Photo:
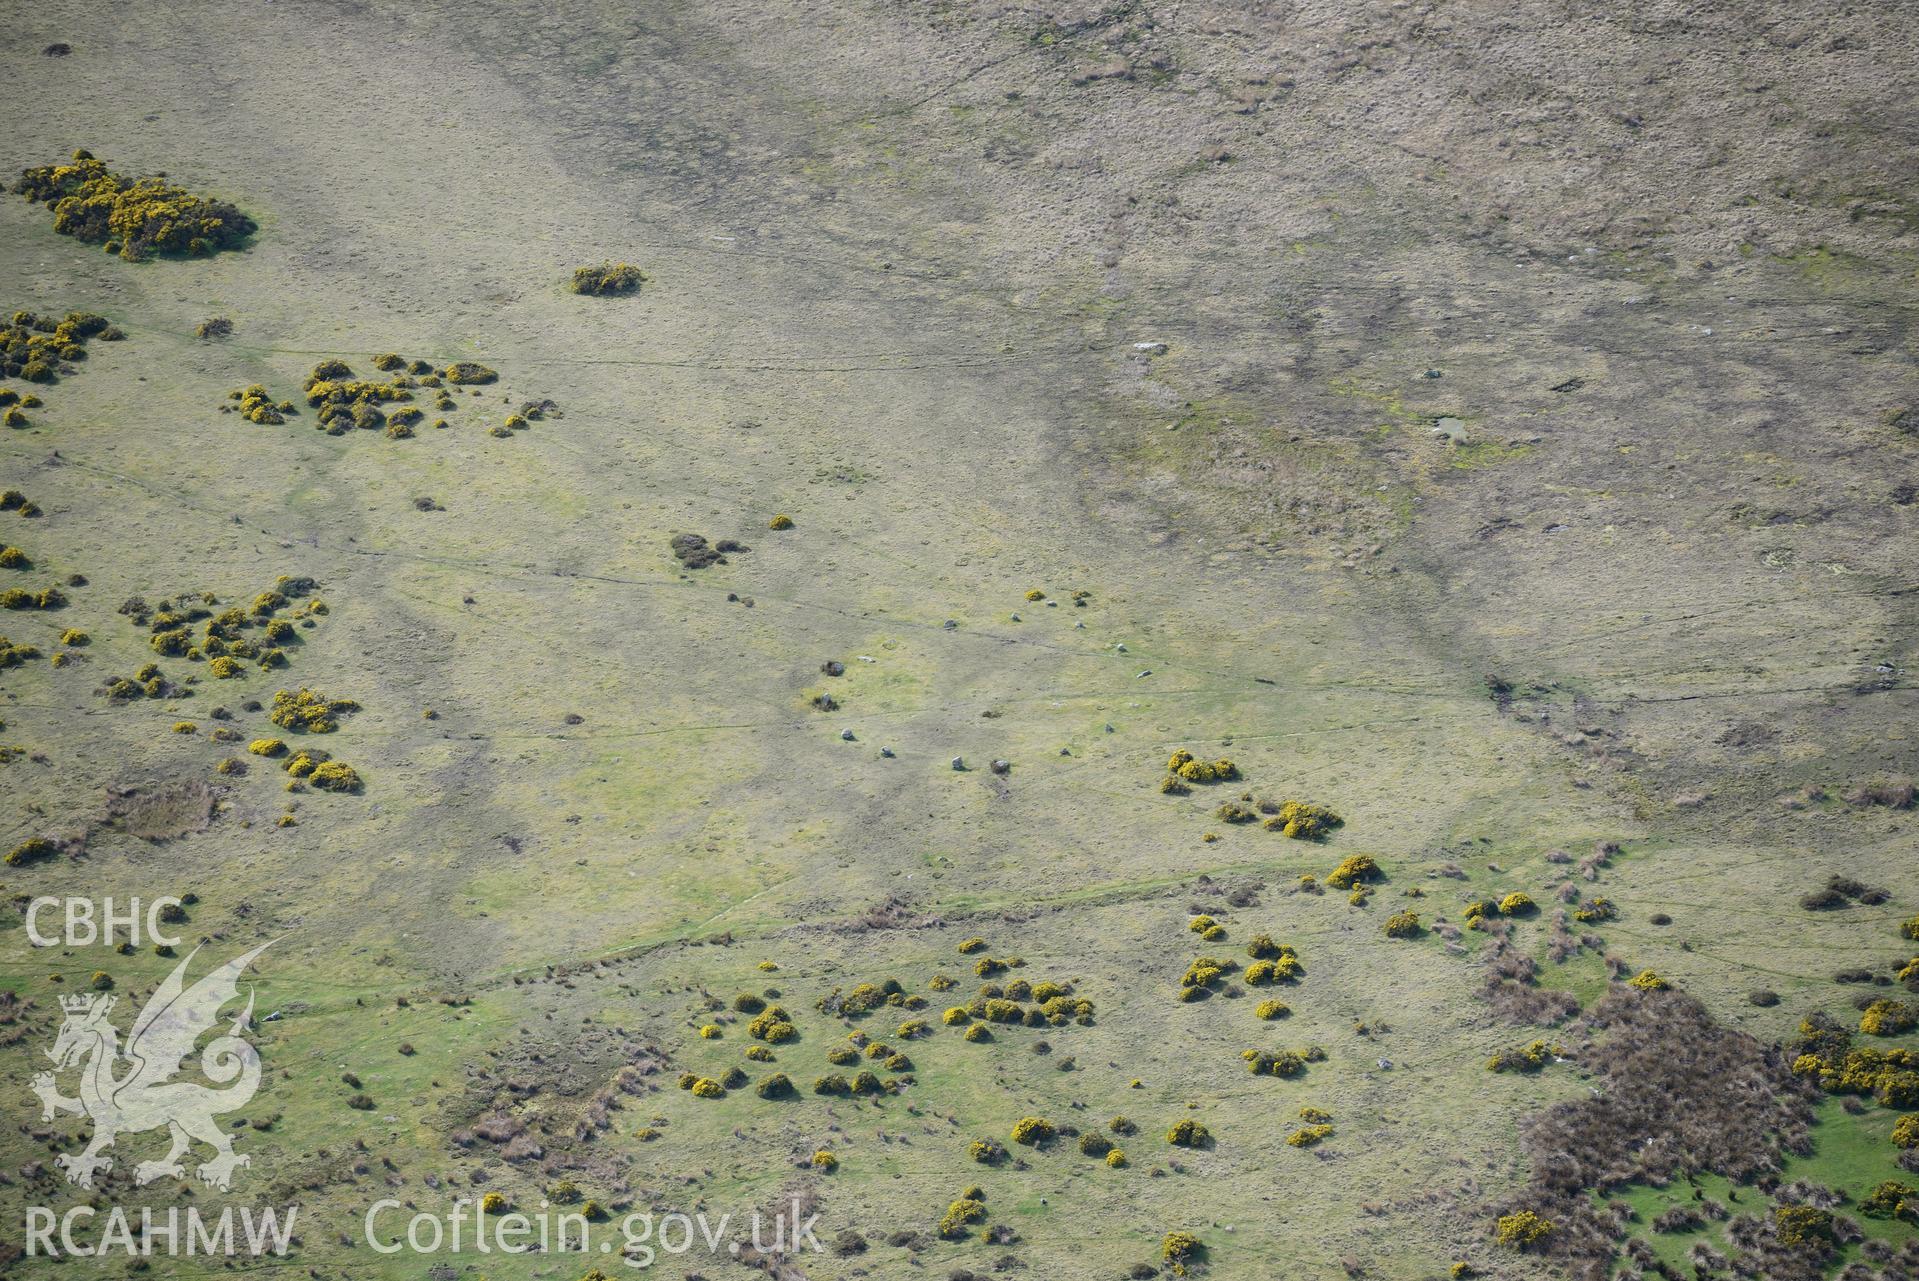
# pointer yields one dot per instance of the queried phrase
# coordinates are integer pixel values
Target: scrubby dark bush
(1179, 1249)
(1522, 1058)
(35, 849)
(1188, 768)
(1204, 974)
(1891, 1200)
(1309, 1135)
(1679, 1218)
(143, 216)
(1304, 822)
(1892, 793)
(607, 280)
(1188, 1133)
(39, 349)
(1403, 924)
(335, 776)
(1802, 1225)
(1358, 869)
(772, 1026)
(1283, 968)
(1032, 1130)
(959, 1214)
(694, 552)
(309, 710)
(1262, 948)
(1888, 1018)
(1095, 1144)
(1521, 1229)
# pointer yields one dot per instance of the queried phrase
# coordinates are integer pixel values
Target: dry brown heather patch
(694, 552)
(1512, 986)
(1675, 1094)
(1842, 891)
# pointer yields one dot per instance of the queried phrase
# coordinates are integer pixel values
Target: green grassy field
(1647, 584)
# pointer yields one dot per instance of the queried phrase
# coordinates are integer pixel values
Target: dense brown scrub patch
(1676, 1094)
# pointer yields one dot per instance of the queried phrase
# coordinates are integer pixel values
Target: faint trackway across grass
(880, 362)
(1759, 606)
(959, 907)
(533, 573)
(956, 908)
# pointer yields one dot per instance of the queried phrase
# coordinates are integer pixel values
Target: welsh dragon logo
(130, 1090)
